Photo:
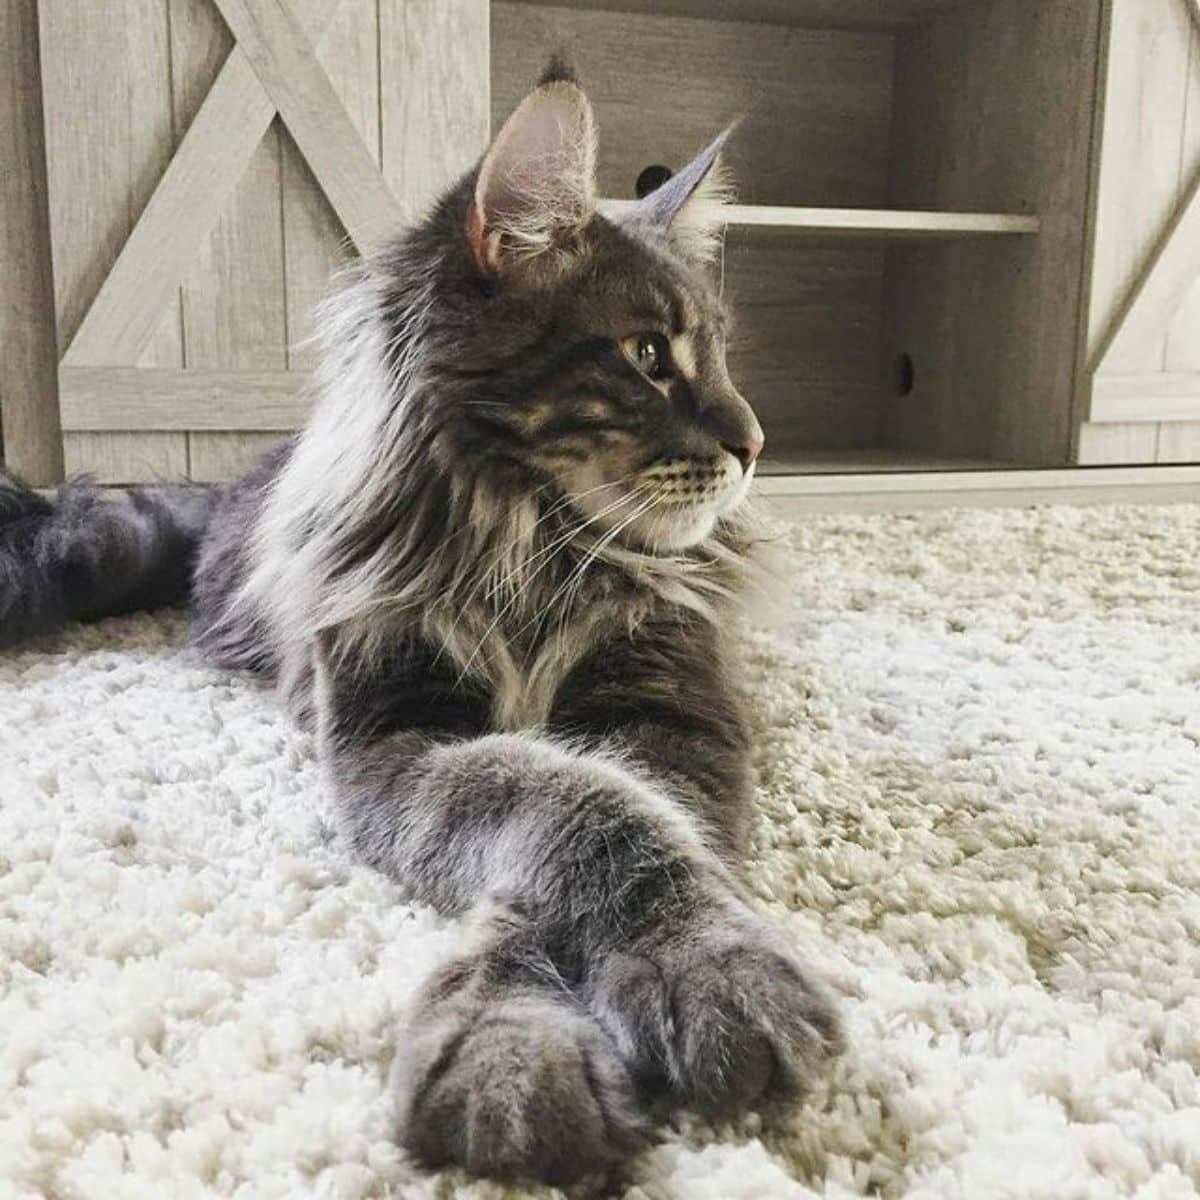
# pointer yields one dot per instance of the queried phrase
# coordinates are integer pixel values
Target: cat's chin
(669, 530)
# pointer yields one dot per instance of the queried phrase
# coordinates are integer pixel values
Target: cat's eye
(648, 352)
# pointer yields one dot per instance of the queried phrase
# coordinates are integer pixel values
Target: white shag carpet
(979, 753)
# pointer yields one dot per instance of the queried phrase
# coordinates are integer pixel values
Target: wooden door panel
(206, 159)
(1144, 335)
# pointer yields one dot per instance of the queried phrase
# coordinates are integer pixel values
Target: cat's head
(582, 346)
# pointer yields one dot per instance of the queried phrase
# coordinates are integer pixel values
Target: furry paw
(719, 1014)
(520, 1084)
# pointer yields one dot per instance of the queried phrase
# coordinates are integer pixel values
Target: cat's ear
(691, 206)
(537, 183)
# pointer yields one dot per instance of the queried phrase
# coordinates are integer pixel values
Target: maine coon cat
(495, 575)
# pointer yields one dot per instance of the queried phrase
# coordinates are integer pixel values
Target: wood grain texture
(126, 457)
(834, 14)
(1183, 330)
(815, 104)
(315, 242)
(1179, 442)
(133, 398)
(189, 196)
(992, 325)
(1100, 445)
(109, 137)
(286, 63)
(215, 457)
(436, 107)
(31, 443)
(234, 315)
(1145, 292)
(1138, 334)
(1152, 396)
(1139, 183)
(805, 342)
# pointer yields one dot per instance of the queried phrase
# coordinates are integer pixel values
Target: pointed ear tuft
(691, 205)
(537, 183)
(558, 70)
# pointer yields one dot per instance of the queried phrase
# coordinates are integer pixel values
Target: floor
(978, 746)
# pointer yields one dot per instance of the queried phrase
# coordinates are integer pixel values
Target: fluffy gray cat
(495, 574)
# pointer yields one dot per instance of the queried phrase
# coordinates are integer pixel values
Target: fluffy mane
(373, 527)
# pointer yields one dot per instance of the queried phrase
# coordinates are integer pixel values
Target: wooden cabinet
(968, 237)
(1141, 399)
(210, 163)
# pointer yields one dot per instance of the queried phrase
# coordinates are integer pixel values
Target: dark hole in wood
(652, 178)
(904, 375)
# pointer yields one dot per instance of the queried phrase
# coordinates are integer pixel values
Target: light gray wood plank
(1117, 443)
(132, 398)
(187, 202)
(1179, 442)
(992, 325)
(1153, 397)
(1139, 181)
(234, 291)
(109, 138)
(816, 105)
(233, 294)
(315, 242)
(1138, 333)
(316, 246)
(215, 457)
(32, 441)
(1183, 330)
(126, 457)
(436, 87)
(286, 63)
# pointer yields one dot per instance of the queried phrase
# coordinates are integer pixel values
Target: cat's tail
(83, 553)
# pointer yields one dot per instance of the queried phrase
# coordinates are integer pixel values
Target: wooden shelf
(885, 15)
(867, 461)
(890, 491)
(869, 222)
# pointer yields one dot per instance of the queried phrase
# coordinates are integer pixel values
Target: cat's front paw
(719, 1013)
(520, 1085)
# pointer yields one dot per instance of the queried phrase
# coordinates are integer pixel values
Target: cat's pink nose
(746, 451)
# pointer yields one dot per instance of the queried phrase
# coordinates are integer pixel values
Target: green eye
(648, 352)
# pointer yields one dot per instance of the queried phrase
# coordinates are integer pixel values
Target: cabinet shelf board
(868, 222)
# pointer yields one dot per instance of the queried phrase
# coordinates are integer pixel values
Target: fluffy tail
(84, 555)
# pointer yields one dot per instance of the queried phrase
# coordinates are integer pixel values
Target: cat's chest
(526, 690)
(521, 679)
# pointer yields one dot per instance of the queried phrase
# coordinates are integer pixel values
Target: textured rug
(978, 745)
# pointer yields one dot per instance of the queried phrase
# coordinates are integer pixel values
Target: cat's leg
(616, 891)
(503, 1071)
(712, 1005)
(715, 1010)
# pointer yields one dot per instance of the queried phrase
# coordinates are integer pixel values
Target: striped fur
(496, 574)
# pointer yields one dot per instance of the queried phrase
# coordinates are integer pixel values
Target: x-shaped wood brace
(273, 68)
(1170, 271)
